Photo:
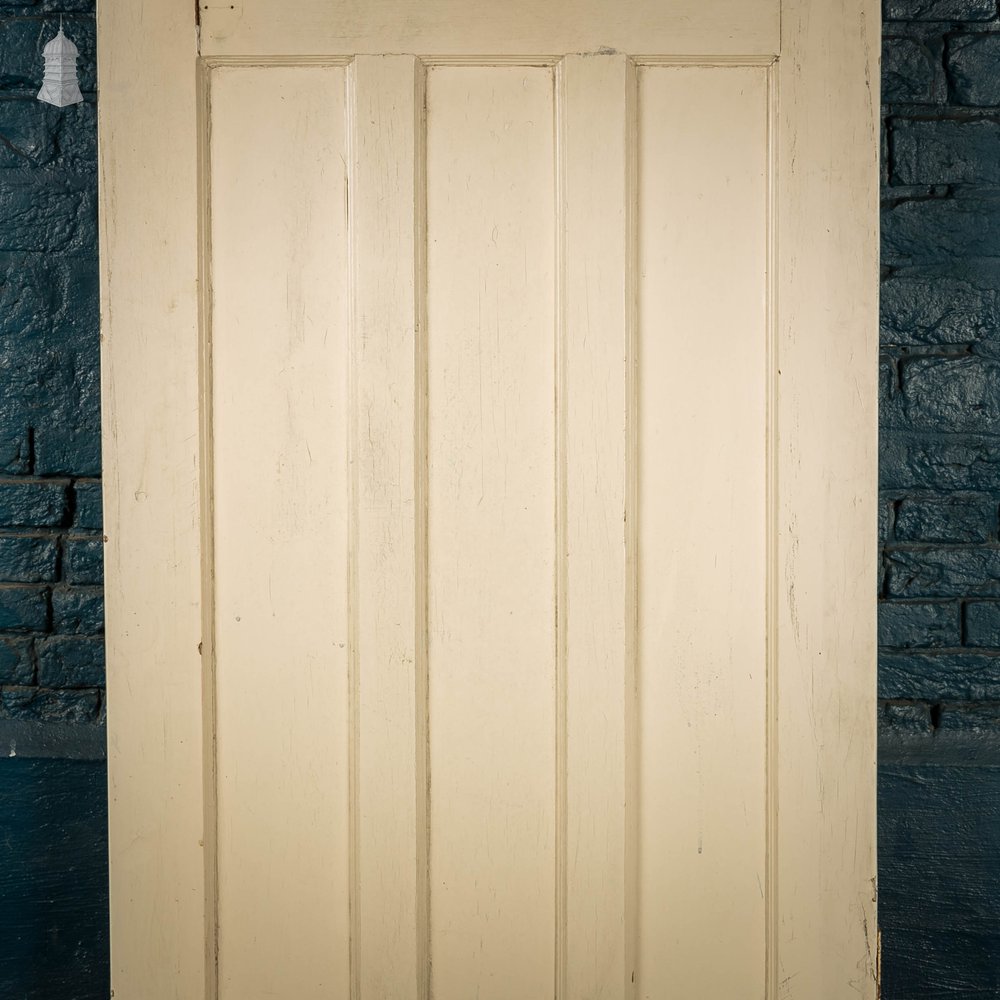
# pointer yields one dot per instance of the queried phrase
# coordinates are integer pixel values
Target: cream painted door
(490, 441)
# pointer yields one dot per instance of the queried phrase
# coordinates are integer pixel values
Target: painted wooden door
(490, 483)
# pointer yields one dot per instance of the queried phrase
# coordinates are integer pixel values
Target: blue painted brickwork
(53, 879)
(53, 812)
(939, 517)
(51, 604)
(939, 622)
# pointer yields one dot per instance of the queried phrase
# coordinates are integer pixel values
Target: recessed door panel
(702, 533)
(279, 432)
(491, 546)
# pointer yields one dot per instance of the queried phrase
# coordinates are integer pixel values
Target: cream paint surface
(516, 27)
(536, 633)
(491, 551)
(702, 530)
(280, 474)
(389, 665)
(595, 893)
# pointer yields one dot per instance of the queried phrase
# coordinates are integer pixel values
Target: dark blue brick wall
(50, 541)
(53, 804)
(54, 879)
(939, 608)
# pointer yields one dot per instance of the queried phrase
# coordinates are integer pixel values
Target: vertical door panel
(491, 548)
(702, 530)
(280, 422)
(596, 135)
(388, 668)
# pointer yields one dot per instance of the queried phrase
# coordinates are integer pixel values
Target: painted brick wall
(51, 605)
(53, 800)
(939, 610)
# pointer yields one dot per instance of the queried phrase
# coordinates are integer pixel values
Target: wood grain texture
(161, 896)
(280, 370)
(827, 282)
(517, 27)
(491, 546)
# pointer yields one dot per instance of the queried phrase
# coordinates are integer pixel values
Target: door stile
(596, 140)
(630, 517)
(827, 338)
(559, 604)
(421, 542)
(389, 927)
(152, 501)
(772, 571)
(206, 648)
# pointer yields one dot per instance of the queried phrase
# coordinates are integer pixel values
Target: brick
(49, 706)
(972, 720)
(16, 665)
(84, 560)
(913, 72)
(904, 719)
(70, 662)
(914, 626)
(51, 303)
(76, 138)
(37, 504)
(47, 213)
(65, 451)
(49, 348)
(88, 506)
(933, 676)
(938, 461)
(27, 136)
(961, 518)
(886, 517)
(951, 394)
(941, 230)
(938, 306)
(883, 151)
(15, 450)
(945, 572)
(35, 134)
(945, 152)
(889, 400)
(26, 379)
(78, 611)
(982, 624)
(46, 6)
(21, 44)
(28, 559)
(940, 10)
(973, 68)
(23, 609)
